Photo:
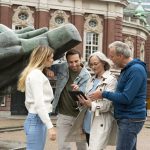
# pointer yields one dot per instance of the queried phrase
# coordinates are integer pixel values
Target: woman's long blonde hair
(37, 60)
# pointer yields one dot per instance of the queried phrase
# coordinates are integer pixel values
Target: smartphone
(75, 94)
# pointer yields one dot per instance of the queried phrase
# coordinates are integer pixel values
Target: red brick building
(99, 23)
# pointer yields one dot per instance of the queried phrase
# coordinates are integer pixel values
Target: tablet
(74, 95)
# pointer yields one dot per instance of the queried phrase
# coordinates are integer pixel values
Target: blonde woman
(38, 97)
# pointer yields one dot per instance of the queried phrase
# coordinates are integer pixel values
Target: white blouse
(38, 96)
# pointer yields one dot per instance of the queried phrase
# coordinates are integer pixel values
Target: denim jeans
(35, 132)
(87, 121)
(127, 133)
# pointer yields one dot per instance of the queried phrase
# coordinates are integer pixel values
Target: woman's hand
(52, 133)
(86, 102)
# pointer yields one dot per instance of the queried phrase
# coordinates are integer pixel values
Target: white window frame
(97, 29)
(91, 45)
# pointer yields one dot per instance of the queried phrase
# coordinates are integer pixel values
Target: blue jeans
(87, 121)
(35, 132)
(127, 134)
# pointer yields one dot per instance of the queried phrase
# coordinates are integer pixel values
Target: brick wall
(118, 29)
(148, 94)
(147, 53)
(41, 19)
(6, 15)
(108, 33)
(78, 21)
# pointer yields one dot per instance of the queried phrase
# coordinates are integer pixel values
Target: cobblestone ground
(18, 137)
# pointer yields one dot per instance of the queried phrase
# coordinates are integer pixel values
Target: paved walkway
(11, 140)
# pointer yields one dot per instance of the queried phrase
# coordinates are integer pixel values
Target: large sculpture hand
(15, 47)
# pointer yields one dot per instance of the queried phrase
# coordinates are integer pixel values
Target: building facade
(145, 3)
(99, 23)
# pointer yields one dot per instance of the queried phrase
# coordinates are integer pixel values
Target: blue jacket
(62, 72)
(130, 97)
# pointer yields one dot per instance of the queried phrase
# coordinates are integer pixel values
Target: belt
(137, 120)
(134, 120)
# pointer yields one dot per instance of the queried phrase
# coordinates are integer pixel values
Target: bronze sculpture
(15, 48)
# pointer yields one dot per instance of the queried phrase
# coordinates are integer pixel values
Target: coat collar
(104, 76)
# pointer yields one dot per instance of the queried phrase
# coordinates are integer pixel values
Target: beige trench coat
(105, 116)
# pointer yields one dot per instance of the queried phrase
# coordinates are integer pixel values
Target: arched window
(142, 51)
(92, 35)
(130, 42)
(22, 18)
(59, 18)
(91, 43)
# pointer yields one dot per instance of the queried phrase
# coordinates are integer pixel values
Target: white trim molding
(130, 42)
(27, 22)
(98, 28)
(58, 14)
